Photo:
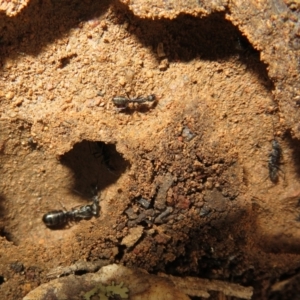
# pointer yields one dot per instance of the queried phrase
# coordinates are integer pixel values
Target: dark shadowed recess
(43, 22)
(3, 230)
(2, 212)
(184, 38)
(187, 38)
(288, 286)
(94, 164)
(294, 144)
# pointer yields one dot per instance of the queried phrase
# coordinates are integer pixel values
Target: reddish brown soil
(199, 152)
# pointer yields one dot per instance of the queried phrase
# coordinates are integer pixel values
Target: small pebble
(122, 81)
(149, 74)
(145, 203)
(187, 134)
(164, 64)
(9, 95)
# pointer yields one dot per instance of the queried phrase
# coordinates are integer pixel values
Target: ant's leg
(63, 206)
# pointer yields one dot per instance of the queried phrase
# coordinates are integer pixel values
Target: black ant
(274, 161)
(122, 102)
(58, 218)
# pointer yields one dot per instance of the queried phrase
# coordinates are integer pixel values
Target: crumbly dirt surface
(184, 181)
(12, 7)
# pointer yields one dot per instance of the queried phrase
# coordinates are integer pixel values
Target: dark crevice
(2, 209)
(80, 272)
(4, 233)
(294, 144)
(64, 61)
(121, 252)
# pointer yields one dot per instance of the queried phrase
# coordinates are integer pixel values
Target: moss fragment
(104, 292)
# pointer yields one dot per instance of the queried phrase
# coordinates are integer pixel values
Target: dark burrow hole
(121, 252)
(1, 279)
(94, 164)
(4, 233)
(80, 272)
